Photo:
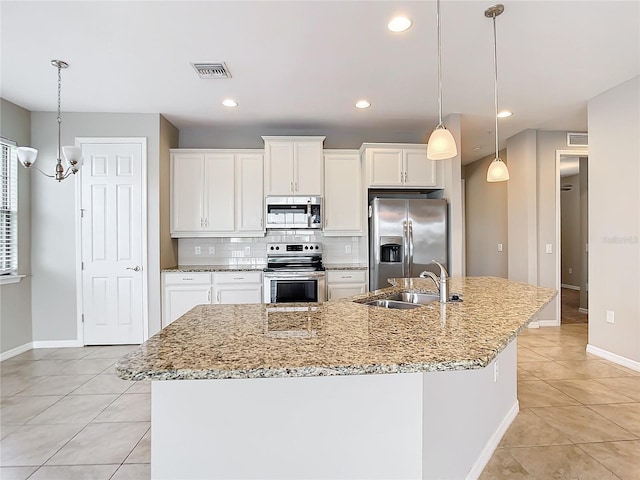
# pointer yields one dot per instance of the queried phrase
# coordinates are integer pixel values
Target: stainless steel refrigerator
(405, 235)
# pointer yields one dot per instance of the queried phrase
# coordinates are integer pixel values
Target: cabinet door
(238, 294)
(187, 182)
(421, 172)
(220, 192)
(386, 167)
(179, 300)
(250, 196)
(336, 292)
(278, 163)
(342, 194)
(308, 168)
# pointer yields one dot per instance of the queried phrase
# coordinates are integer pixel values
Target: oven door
(290, 287)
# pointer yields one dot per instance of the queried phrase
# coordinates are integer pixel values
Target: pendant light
(441, 144)
(72, 155)
(498, 171)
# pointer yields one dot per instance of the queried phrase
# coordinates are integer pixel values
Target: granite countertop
(215, 268)
(345, 266)
(341, 338)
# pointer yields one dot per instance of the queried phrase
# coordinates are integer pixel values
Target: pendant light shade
(498, 171)
(441, 144)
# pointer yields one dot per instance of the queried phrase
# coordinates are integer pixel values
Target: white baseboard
(548, 323)
(492, 444)
(534, 324)
(16, 351)
(584, 310)
(613, 357)
(570, 287)
(57, 343)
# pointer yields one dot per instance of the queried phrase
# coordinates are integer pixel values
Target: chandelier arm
(41, 171)
(439, 66)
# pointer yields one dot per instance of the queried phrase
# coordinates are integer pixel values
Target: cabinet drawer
(346, 276)
(237, 277)
(187, 278)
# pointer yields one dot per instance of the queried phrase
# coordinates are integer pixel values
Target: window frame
(9, 213)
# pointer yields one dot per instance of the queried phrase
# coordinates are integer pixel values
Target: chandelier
(72, 155)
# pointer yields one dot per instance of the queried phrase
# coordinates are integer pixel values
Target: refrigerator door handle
(410, 263)
(405, 251)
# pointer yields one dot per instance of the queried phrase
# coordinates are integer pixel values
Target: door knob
(135, 269)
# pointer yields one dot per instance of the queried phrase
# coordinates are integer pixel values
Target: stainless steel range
(294, 273)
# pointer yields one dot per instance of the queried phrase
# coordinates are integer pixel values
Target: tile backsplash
(253, 251)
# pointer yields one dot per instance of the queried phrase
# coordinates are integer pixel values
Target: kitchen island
(304, 391)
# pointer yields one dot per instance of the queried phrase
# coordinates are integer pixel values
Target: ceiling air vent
(212, 70)
(577, 139)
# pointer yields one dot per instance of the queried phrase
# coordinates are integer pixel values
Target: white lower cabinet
(237, 287)
(345, 283)
(182, 292)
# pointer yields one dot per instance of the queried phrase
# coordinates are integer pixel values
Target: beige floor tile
(564, 353)
(74, 409)
(541, 394)
(593, 368)
(6, 430)
(568, 340)
(142, 452)
(627, 415)
(33, 354)
(113, 352)
(71, 353)
(128, 408)
(550, 370)
(628, 371)
(103, 384)
(56, 385)
(12, 384)
(133, 472)
(35, 444)
(534, 341)
(141, 386)
(87, 366)
(36, 368)
(503, 466)
(529, 429)
(622, 458)
(628, 386)
(528, 355)
(560, 462)
(16, 473)
(581, 424)
(589, 392)
(547, 331)
(525, 376)
(76, 472)
(19, 410)
(101, 443)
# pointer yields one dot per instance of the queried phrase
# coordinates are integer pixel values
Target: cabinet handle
(291, 187)
(345, 276)
(201, 222)
(209, 296)
(295, 184)
(238, 278)
(405, 177)
(187, 279)
(218, 296)
(206, 222)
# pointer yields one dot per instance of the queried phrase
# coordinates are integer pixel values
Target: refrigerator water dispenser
(391, 249)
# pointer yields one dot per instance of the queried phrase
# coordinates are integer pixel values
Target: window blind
(8, 210)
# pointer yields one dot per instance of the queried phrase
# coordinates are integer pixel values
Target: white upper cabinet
(293, 165)
(216, 193)
(391, 165)
(342, 193)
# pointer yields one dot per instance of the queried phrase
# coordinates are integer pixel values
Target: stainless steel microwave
(293, 212)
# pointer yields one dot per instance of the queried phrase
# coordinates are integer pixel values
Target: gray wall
(614, 219)
(53, 218)
(486, 220)
(570, 235)
(15, 299)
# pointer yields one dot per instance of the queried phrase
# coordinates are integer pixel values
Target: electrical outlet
(499, 247)
(247, 251)
(197, 250)
(212, 250)
(610, 316)
(570, 270)
(548, 248)
(347, 249)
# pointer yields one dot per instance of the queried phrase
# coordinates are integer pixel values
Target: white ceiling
(303, 64)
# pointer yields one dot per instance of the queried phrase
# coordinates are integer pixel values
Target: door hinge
(82, 317)
(81, 265)
(82, 213)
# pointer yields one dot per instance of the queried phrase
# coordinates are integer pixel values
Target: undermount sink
(404, 300)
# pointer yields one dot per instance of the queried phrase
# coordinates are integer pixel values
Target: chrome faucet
(441, 282)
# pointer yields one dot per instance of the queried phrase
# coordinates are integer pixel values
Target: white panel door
(112, 243)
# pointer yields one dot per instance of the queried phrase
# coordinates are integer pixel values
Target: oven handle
(297, 276)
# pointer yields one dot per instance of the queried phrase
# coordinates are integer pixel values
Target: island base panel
(402, 426)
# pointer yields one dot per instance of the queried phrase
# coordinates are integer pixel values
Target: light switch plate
(549, 248)
(499, 247)
(212, 250)
(197, 250)
(347, 249)
(611, 316)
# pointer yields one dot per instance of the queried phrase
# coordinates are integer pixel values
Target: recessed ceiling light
(504, 114)
(362, 104)
(399, 24)
(229, 102)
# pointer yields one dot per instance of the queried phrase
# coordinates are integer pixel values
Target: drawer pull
(345, 276)
(186, 279)
(238, 278)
